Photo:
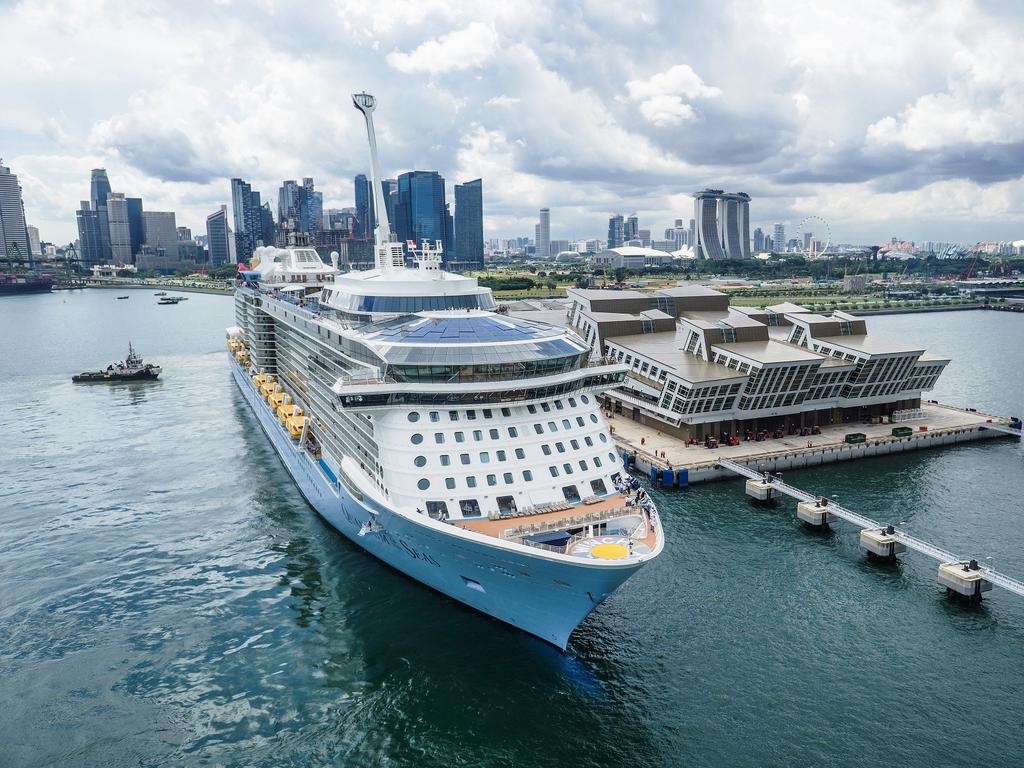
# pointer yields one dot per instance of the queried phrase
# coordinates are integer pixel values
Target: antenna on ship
(389, 255)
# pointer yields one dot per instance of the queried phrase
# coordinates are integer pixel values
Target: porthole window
(423, 484)
(414, 417)
(417, 438)
(584, 399)
(593, 417)
(603, 437)
(611, 455)
(420, 461)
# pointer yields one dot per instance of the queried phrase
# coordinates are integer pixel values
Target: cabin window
(446, 460)
(471, 481)
(417, 438)
(520, 453)
(492, 479)
(506, 504)
(485, 457)
(423, 484)
(507, 477)
(420, 461)
(438, 510)
(493, 433)
(513, 432)
(469, 508)
(449, 483)
(527, 475)
(598, 487)
(464, 458)
(571, 494)
(439, 437)
(414, 417)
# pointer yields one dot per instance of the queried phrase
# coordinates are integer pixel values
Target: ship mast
(389, 255)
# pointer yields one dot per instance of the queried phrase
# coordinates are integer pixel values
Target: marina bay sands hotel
(722, 222)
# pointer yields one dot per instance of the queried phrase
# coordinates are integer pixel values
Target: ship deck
(577, 515)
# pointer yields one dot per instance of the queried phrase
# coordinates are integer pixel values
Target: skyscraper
(365, 217)
(218, 237)
(311, 208)
(705, 212)
(90, 242)
(758, 240)
(616, 231)
(469, 225)
(117, 225)
(289, 197)
(13, 230)
(778, 238)
(421, 212)
(34, 246)
(734, 225)
(631, 228)
(544, 234)
(99, 188)
(135, 230)
(161, 231)
(722, 224)
(245, 205)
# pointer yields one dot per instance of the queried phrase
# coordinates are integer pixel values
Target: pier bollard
(881, 543)
(760, 490)
(964, 579)
(814, 513)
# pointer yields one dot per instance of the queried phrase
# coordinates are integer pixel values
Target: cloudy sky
(885, 118)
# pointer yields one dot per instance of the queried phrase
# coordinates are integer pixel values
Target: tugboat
(132, 368)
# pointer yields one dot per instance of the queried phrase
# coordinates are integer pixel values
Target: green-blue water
(167, 598)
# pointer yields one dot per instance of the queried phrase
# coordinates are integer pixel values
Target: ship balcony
(617, 527)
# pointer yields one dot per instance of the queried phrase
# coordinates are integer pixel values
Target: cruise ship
(465, 447)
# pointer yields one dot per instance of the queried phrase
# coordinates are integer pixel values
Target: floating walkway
(958, 576)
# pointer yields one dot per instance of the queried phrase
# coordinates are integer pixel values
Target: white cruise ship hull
(545, 597)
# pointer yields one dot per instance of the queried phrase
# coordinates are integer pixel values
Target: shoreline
(154, 286)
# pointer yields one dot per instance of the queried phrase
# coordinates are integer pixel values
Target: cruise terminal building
(698, 367)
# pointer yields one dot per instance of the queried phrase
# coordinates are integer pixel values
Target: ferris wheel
(821, 237)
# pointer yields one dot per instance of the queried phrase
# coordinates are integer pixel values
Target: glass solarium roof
(459, 329)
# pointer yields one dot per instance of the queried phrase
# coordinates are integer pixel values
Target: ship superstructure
(462, 446)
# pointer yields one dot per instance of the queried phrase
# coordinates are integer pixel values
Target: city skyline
(805, 122)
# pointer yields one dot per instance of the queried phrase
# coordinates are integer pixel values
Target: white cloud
(463, 49)
(661, 96)
(589, 108)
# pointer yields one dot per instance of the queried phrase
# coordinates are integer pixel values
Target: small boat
(132, 368)
(169, 300)
(160, 293)
(123, 297)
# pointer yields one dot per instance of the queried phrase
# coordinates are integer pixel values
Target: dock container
(855, 437)
(902, 431)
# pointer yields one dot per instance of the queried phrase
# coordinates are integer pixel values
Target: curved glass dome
(471, 347)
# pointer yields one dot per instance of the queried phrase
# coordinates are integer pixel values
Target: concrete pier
(964, 579)
(882, 543)
(814, 513)
(759, 490)
(958, 576)
(941, 425)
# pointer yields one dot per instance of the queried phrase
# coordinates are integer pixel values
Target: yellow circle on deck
(610, 551)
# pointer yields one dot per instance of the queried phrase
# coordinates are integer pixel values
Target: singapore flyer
(818, 244)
